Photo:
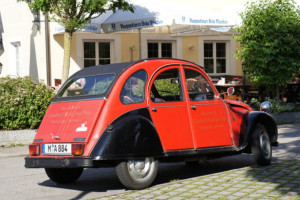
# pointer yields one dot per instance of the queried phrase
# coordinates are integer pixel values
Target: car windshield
(84, 86)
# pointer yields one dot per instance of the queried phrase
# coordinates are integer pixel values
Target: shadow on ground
(283, 178)
(105, 179)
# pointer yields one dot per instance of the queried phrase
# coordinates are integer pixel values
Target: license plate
(57, 149)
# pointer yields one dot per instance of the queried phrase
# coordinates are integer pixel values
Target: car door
(169, 110)
(208, 114)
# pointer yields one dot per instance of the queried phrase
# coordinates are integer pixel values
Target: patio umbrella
(181, 16)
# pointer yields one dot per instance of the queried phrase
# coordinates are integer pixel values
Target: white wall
(20, 30)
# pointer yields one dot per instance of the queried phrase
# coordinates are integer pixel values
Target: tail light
(34, 149)
(77, 149)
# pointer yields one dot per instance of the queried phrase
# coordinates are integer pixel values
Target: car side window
(167, 87)
(133, 90)
(198, 87)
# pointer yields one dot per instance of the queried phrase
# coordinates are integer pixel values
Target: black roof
(116, 68)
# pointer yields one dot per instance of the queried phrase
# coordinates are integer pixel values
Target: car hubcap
(139, 168)
(265, 144)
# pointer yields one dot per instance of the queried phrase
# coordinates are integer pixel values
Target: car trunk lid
(69, 121)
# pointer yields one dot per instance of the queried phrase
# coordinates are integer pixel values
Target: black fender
(131, 135)
(254, 118)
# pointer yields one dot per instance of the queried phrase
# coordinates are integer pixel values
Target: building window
(96, 53)
(160, 50)
(215, 57)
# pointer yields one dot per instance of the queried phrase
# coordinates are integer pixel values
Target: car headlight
(266, 107)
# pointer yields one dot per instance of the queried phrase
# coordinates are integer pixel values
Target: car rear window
(85, 86)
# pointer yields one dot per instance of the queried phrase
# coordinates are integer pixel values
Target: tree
(74, 15)
(270, 41)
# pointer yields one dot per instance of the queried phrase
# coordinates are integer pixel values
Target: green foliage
(23, 103)
(277, 106)
(73, 14)
(165, 87)
(270, 40)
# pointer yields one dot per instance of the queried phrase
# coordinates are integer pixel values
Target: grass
(11, 145)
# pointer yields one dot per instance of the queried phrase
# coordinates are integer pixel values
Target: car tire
(261, 145)
(137, 174)
(64, 175)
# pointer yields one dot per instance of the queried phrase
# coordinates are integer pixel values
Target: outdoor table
(238, 88)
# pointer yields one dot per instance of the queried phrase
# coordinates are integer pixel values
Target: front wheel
(64, 175)
(261, 145)
(137, 174)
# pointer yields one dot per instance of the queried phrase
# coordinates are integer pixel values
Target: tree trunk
(67, 55)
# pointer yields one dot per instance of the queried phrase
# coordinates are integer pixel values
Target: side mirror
(230, 91)
(266, 107)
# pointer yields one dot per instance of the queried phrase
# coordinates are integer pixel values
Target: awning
(174, 13)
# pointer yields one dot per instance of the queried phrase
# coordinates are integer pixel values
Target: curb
(286, 117)
(17, 137)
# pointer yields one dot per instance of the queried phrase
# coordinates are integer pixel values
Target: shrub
(23, 103)
(278, 107)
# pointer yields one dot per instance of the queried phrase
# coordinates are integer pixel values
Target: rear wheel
(261, 145)
(64, 175)
(137, 174)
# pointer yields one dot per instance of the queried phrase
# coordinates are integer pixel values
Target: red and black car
(132, 115)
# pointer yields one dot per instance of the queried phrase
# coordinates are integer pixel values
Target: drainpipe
(140, 43)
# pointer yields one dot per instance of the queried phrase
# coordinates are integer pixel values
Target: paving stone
(181, 189)
(254, 195)
(162, 197)
(247, 190)
(196, 191)
(224, 192)
(177, 198)
(210, 191)
(190, 186)
(226, 185)
(233, 189)
(133, 195)
(239, 194)
(218, 188)
(262, 191)
(204, 187)
(147, 196)
(216, 196)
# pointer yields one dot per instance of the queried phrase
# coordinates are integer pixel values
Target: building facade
(24, 41)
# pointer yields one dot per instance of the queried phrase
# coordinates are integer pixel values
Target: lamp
(244, 66)
(191, 47)
(36, 20)
(132, 48)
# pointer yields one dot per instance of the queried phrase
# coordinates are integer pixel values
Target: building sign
(128, 25)
(92, 27)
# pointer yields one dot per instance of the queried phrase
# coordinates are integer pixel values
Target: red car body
(173, 112)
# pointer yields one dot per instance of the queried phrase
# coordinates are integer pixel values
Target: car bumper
(56, 162)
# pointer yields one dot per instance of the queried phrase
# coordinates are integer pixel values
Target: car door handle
(153, 109)
(193, 107)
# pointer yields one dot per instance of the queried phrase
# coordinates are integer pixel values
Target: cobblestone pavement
(241, 180)
(278, 181)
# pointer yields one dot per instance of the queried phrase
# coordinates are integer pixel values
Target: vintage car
(132, 115)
